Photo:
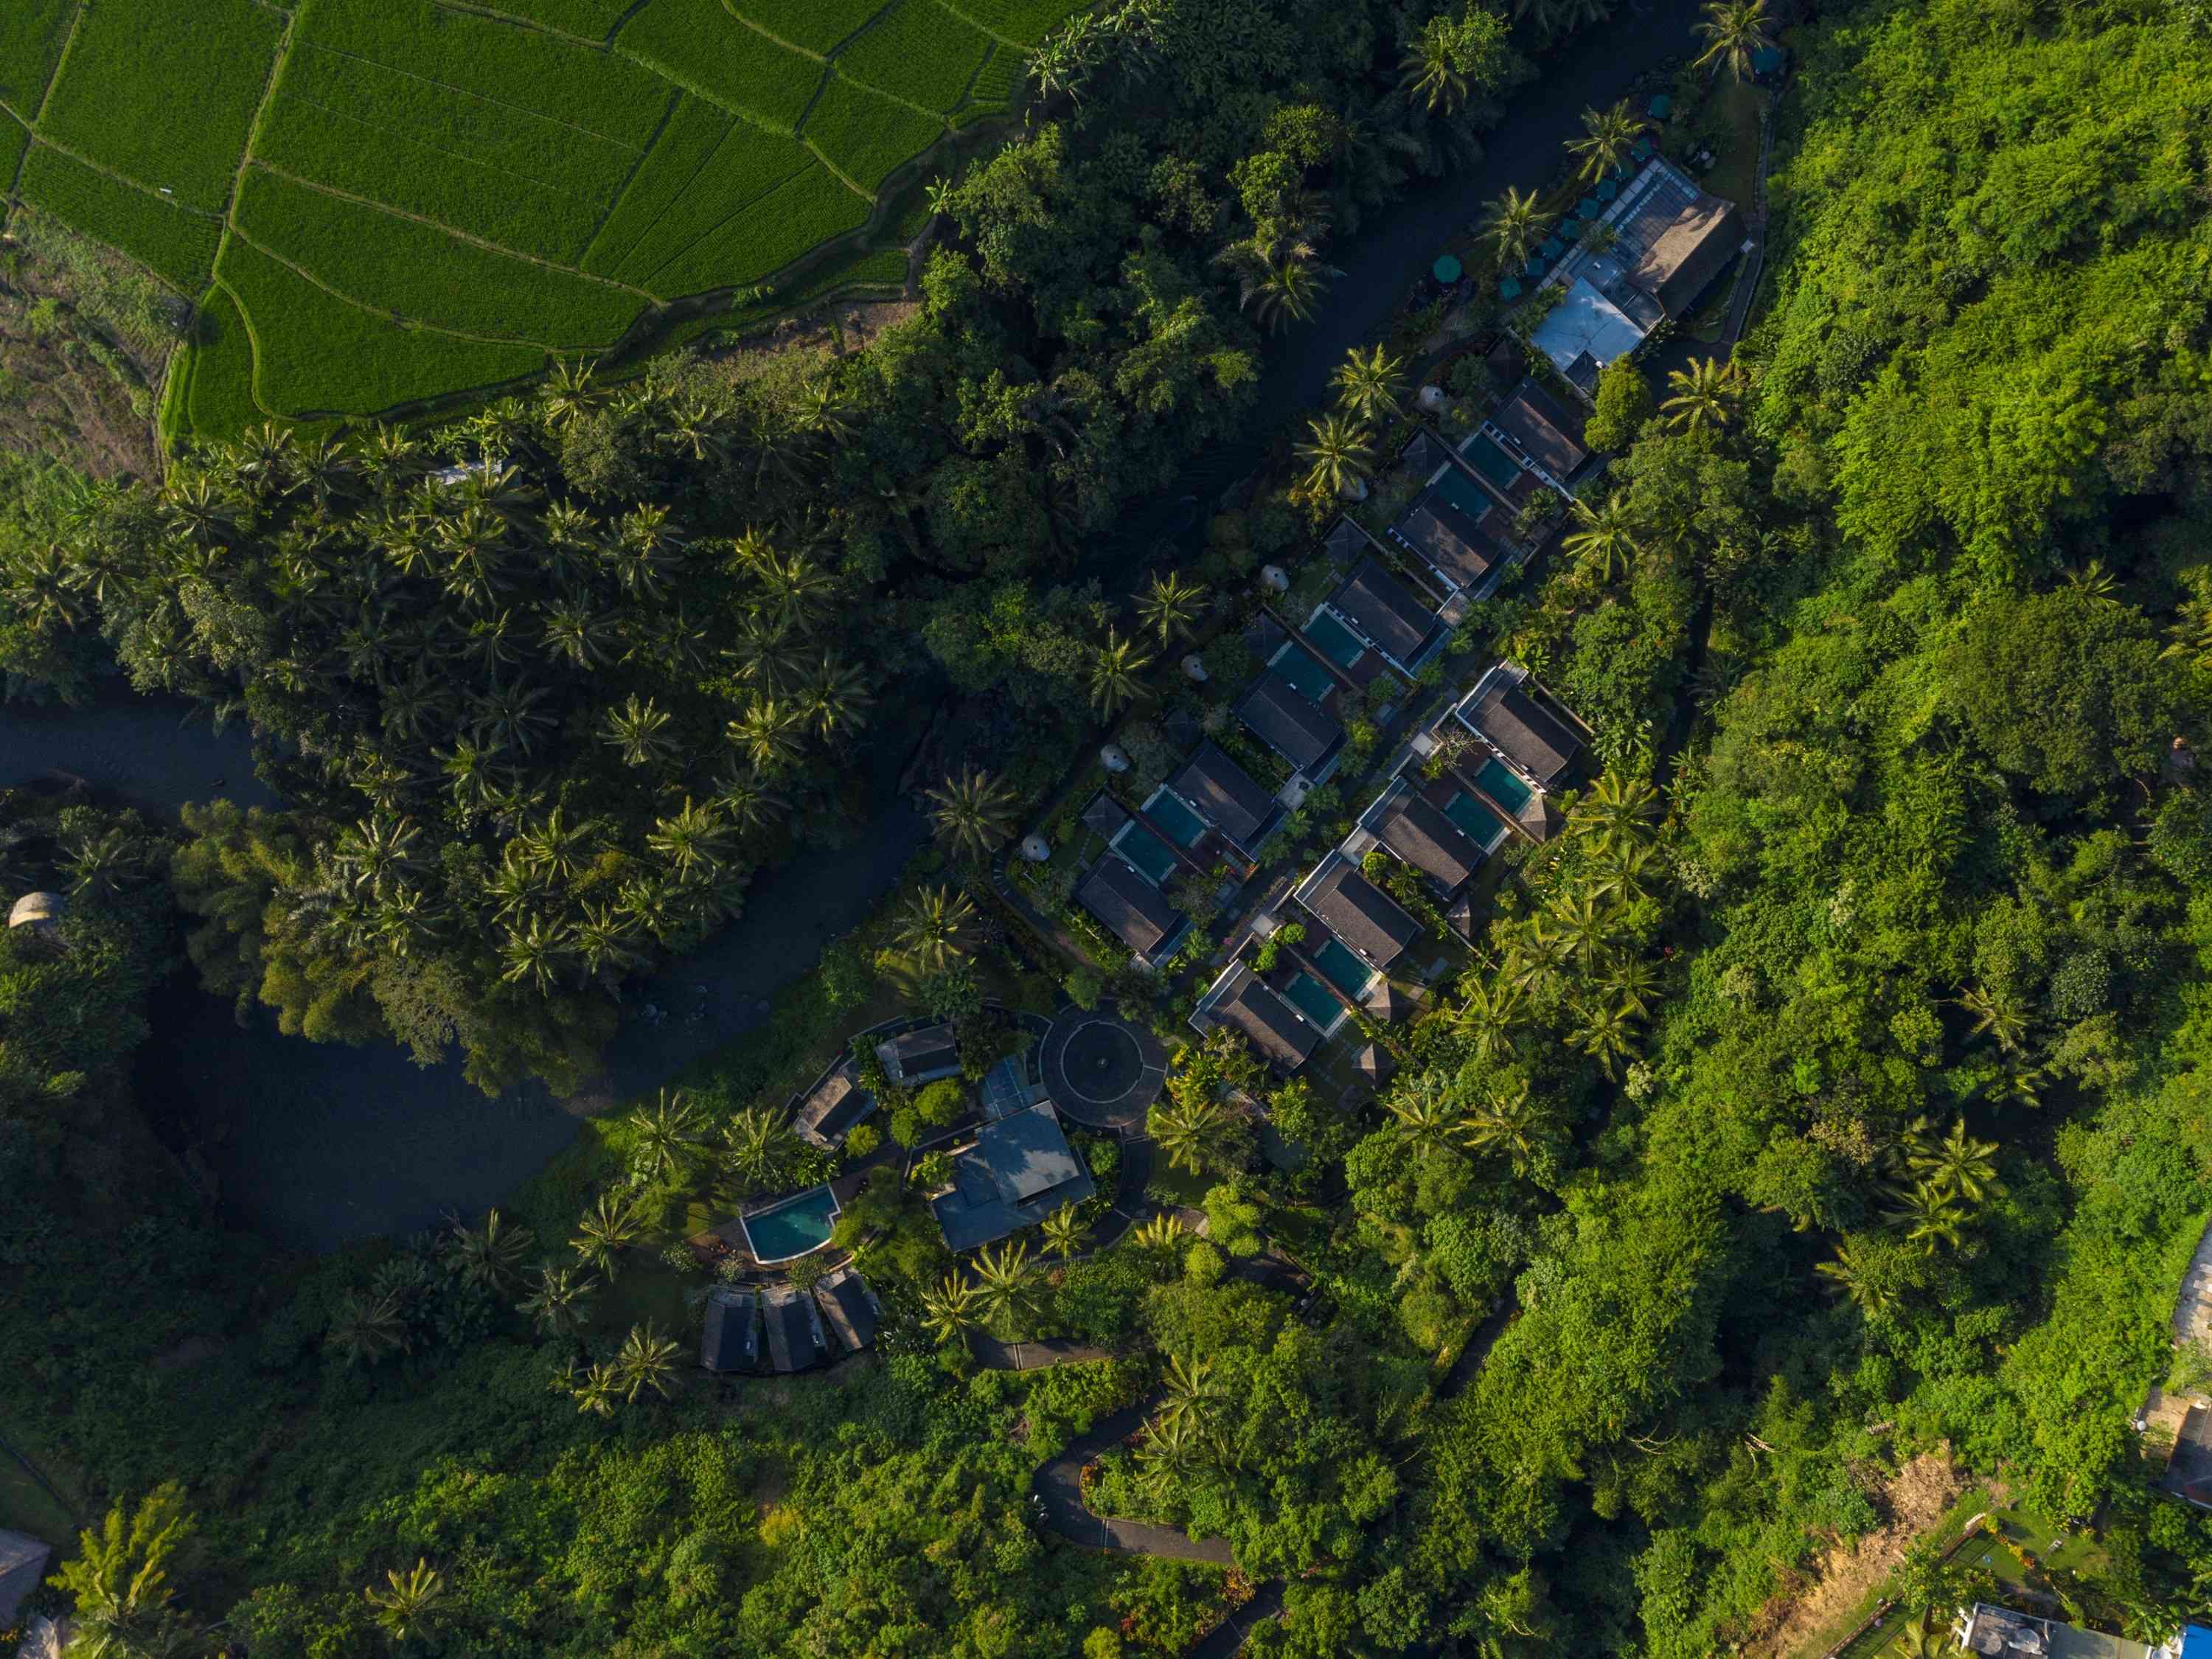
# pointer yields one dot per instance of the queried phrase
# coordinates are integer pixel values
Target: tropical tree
(1851, 1273)
(1959, 1165)
(1280, 278)
(1187, 1128)
(1370, 385)
(668, 1134)
(1603, 544)
(952, 1310)
(933, 925)
(1193, 1392)
(1428, 1111)
(1063, 1232)
(559, 1300)
(119, 1579)
(1513, 1125)
(1005, 1286)
(1608, 136)
(1618, 813)
(973, 813)
(1735, 31)
(596, 1388)
(610, 1226)
(1429, 74)
(1705, 393)
(1489, 1014)
(647, 1360)
(1516, 224)
(1585, 924)
(1928, 1216)
(1160, 1232)
(1117, 672)
(1997, 1016)
(490, 1254)
(1172, 1451)
(367, 1328)
(1169, 605)
(1339, 456)
(758, 1148)
(1606, 1034)
(410, 1603)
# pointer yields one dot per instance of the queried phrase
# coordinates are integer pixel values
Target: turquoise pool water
(1484, 826)
(1498, 782)
(1487, 458)
(1152, 856)
(793, 1227)
(1462, 492)
(1311, 998)
(1308, 678)
(1334, 639)
(1169, 811)
(1344, 970)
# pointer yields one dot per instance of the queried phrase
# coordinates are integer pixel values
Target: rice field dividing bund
(381, 203)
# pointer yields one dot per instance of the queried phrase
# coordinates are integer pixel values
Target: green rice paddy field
(381, 203)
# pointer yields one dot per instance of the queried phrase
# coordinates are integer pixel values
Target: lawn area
(1734, 175)
(25, 1505)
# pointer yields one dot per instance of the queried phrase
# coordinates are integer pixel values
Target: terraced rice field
(382, 203)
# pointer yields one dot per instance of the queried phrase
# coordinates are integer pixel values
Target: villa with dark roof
(1347, 541)
(848, 1308)
(916, 1057)
(1358, 912)
(1378, 608)
(1448, 539)
(730, 1338)
(1132, 908)
(1548, 437)
(1303, 733)
(794, 1329)
(1241, 1001)
(1019, 1171)
(1506, 711)
(1228, 798)
(1418, 832)
(833, 1106)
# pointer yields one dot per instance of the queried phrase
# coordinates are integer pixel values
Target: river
(315, 1145)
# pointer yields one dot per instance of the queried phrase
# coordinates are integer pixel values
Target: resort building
(1383, 615)
(730, 1338)
(1419, 832)
(1347, 541)
(1537, 738)
(22, 1565)
(2001, 1633)
(1228, 799)
(833, 1106)
(1291, 724)
(848, 1308)
(1018, 1171)
(1132, 910)
(914, 1058)
(1358, 912)
(1543, 436)
(1241, 1001)
(1453, 544)
(794, 1329)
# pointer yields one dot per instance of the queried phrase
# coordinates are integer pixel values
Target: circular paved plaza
(1100, 1069)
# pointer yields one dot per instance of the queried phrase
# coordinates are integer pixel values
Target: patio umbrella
(1447, 268)
(1608, 190)
(1508, 289)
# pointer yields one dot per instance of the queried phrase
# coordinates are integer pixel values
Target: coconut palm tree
(668, 1134)
(1927, 1215)
(1280, 279)
(2190, 631)
(1608, 137)
(1428, 75)
(1005, 1286)
(1632, 983)
(559, 1300)
(1585, 924)
(1371, 387)
(1427, 1113)
(597, 1388)
(410, 1604)
(1959, 1165)
(1602, 543)
(1995, 1016)
(1169, 605)
(973, 813)
(1536, 956)
(1488, 1016)
(1064, 1233)
(1193, 1391)
(1172, 1452)
(1510, 1125)
(952, 1310)
(1617, 813)
(535, 951)
(367, 1329)
(1186, 1130)
(1516, 223)
(1735, 31)
(758, 1148)
(1705, 393)
(933, 925)
(1606, 1034)
(1617, 877)
(694, 839)
(567, 396)
(1851, 1274)
(1339, 454)
(835, 698)
(1160, 1232)
(767, 733)
(647, 1360)
(491, 1255)
(1117, 675)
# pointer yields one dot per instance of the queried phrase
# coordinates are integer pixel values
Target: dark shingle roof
(1105, 815)
(1538, 744)
(836, 1104)
(1346, 541)
(1303, 733)
(729, 1342)
(1424, 835)
(22, 1564)
(1226, 794)
(1267, 1021)
(846, 1307)
(1360, 913)
(1134, 911)
(1549, 435)
(1423, 456)
(1381, 608)
(791, 1331)
(1681, 259)
(918, 1054)
(1454, 544)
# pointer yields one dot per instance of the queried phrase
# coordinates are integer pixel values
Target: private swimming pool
(1311, 998)
(1487, 458)
(1169, 811)
(1482, 825)
(1344, 970)
(792, 1228)
(1462, 492)
(1308, 678)
(1334, 639)
(1498, 782)
(1153, 858)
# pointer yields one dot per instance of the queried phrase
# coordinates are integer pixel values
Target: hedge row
(745, 167)
(420, 273)
(531, 70)
(816, 26)
(30, 42)
(165, 92)
(767, 236)
(866, 137)
(176, 246)
(386, 167)
(921, 53)
(703, 48)
(317, 355)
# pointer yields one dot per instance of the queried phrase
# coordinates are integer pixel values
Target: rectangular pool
(1307, 676)
(1167, 809)
(1344, 970)
(1311, 998)
(1499, 783)
(1154, 860)
(1334, 639)
(1487, 458)
(1463, 493)
(1483, 827)
(792, 1228)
